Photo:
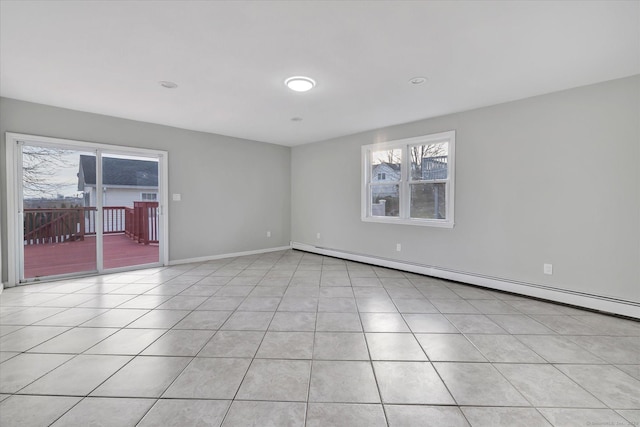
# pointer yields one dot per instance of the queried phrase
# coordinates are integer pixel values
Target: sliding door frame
(15, 245)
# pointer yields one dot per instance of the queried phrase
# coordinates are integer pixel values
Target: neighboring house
(385, 172)
(381, 174)
(124, 181)
(385, 197)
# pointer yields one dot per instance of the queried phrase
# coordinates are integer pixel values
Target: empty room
(319, 213)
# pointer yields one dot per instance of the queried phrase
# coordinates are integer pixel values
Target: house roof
(115, 171)
(394, 166)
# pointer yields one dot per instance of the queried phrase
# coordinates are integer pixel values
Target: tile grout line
(315, 331)
(370, 361)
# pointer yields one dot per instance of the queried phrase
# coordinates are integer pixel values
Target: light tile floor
(293, 339)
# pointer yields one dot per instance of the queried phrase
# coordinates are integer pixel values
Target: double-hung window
(410, 181)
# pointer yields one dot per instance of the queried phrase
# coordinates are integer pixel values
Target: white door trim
(14, 205)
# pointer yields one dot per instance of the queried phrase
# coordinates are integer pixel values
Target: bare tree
(394, 156)
(419, 152)
(39, 168)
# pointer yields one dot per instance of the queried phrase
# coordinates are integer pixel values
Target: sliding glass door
(83, 209)
(59, 235)
(130, 210)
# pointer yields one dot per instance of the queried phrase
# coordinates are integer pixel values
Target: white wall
(550, 179)
(233, 190)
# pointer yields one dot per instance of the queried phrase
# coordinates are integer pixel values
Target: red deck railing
(42, 226)
(142, 222)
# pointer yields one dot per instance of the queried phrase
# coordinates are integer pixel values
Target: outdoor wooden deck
(77, 256)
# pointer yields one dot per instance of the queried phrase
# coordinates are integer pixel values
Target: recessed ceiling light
(300, 83)
(167, 84)
(418, 80)
(296, 119)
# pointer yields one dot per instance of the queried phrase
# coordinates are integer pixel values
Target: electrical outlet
(398, 247)
(268, 234)
(317, 235)
(547, 268)
(177, 197)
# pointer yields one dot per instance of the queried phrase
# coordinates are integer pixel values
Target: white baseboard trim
(594, 302)
(223, 256)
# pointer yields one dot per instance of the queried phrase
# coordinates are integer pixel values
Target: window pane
(385, 165)
(428, 201)
(385, 200)
(130, 220)
(429, 161)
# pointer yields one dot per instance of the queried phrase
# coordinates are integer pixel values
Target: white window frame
(147, 199)
(405, 181)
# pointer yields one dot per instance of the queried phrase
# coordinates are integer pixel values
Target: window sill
(406, 221)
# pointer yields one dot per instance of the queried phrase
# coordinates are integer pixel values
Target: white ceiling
(230, 59)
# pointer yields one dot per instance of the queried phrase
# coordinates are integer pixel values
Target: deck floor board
(71, 257)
